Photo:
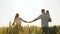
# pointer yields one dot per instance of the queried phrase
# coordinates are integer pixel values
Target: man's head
(43, 10)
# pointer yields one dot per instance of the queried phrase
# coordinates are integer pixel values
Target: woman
(17, 20)
(17, 24)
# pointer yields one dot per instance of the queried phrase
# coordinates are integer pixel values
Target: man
(44, 21)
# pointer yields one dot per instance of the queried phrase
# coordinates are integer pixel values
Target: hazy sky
(28, 10)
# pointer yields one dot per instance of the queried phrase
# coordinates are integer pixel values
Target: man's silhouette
(44, 21)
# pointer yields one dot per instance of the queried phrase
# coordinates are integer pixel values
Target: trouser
(44, 30)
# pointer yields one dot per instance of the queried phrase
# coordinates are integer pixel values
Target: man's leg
(44, 30)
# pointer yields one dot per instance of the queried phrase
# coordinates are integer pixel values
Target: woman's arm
(13, 22)
(23, 20)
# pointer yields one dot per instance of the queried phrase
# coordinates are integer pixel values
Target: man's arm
(49, 19)
(36, 19)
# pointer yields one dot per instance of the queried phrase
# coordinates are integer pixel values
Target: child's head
(47, 12)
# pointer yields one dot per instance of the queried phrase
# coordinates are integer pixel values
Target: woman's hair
(17, 15)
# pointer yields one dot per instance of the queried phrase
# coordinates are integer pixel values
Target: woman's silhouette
(17, 20)
(17, 24)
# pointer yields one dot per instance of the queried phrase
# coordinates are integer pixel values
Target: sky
(28, 10)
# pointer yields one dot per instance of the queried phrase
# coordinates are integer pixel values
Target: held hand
(30, 21)
(26, 21)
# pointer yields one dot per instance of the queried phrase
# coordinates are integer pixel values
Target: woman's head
(17, 15)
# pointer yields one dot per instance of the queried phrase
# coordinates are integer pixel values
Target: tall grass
(27, 30)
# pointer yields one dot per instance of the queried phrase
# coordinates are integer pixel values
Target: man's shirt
(44, 20)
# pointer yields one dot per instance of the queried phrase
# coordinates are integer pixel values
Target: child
(47, 12)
